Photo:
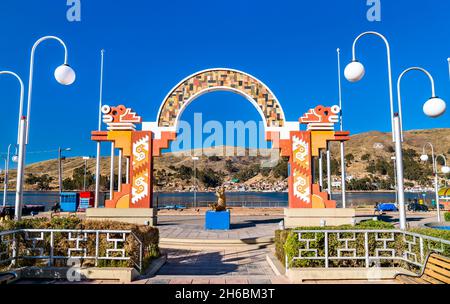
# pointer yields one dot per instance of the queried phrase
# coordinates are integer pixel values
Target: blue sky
(152, 45)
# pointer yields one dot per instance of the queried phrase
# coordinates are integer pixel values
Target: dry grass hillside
(379, 144)
(375, 144)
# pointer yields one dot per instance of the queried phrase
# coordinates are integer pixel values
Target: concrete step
(215, 243)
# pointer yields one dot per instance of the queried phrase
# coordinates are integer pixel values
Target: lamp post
(64, 75)
(86, 158)
(5, 187)
(445, 169)
(60, 168)
(19, 159)
(194, 159)
(434, 107)
(354, 72)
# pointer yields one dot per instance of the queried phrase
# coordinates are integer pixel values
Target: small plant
(447, 216)
(148, 236)
(287, 243)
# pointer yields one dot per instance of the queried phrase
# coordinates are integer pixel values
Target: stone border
(300, 275)
(275, 264)
(435, 225)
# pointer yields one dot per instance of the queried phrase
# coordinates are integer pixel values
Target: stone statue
(221, 204)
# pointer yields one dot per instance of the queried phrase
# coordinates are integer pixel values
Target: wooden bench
(436, 271)
(7, 278)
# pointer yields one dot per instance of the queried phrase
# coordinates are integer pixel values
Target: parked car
(416, 207)
(386, 207)
(172, 207)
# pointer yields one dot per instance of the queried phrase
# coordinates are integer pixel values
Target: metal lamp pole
(21, 152)
(434, 107)
(354, 72)
(65, 75)
(343, 166)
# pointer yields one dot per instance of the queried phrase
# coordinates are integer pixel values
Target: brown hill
(376, 144)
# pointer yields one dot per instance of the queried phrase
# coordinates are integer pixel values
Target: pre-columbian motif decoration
(220, 79)
(302, 148)
(136, 146)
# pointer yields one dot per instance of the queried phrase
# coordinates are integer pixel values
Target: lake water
(234, 199)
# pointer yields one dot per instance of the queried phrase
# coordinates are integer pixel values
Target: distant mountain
(378, 144)
(362, 148)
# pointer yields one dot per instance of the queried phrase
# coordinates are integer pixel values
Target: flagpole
(343, 166)
(97, 166)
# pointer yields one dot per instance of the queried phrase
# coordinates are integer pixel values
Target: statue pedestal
(217, 220)
(130, 216)
(294, 218)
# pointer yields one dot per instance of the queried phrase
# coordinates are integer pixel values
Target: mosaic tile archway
(221, 80)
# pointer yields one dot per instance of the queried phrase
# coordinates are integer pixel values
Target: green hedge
(149, 236)
(447, 216)
(288, 244)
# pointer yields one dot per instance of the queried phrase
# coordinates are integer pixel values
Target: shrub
(288, 244)
(441, 234)
(447, 216)
(293, 244)
(149, 236)
(280, 239)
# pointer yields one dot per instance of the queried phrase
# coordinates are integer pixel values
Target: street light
(60, 168)
(20, 134)
(194, 158)
(354, 72)
(445, 169)
(434, 107)
(64, 75)
(86, 158)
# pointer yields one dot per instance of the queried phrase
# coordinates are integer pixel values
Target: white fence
(51, 245)
(366, 248)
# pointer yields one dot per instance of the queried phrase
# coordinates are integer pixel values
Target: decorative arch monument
(308, 203)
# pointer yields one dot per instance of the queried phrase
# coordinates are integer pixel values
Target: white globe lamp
(65, 75)
(445, 170)
(434, 107)
(354, 71)
(424, 158)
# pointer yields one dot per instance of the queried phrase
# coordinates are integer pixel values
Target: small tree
(44, 181)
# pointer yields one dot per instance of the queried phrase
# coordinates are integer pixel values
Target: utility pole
(85, 171)
(60, 168)
(195, 181)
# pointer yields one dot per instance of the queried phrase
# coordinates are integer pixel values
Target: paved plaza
(227, 266)
(242, 227)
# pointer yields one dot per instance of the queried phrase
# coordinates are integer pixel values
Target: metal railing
(364, 248)
(203, 204)
(51, 245)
